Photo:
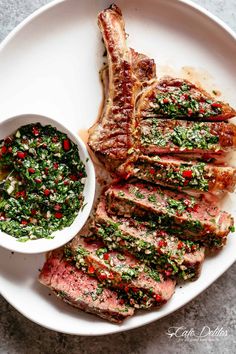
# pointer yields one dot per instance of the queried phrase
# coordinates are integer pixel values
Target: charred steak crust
(112, 136)
(82, 291)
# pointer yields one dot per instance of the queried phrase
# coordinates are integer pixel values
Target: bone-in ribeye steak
(172, 135)
(143, 113)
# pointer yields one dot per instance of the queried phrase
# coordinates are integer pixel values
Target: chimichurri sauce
(44, 192)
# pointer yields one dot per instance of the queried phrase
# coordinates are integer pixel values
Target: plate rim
(117, 329)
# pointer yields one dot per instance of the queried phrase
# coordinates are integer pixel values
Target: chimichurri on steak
(44, 191)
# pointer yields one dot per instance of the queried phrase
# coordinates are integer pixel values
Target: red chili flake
(44, 146)
(187, 174)
(66, 144)
(168, 272)
(195, 207)
(152, 171)
(46, 192)
(4, 149)
(24, 222)
(31, 170)
(35, 131)
(10, 149)
(58, 215)
(126, 289)
(162, 243)
(121, 301)
(57, 207)
(158, 298)
(135, 290)
(166, 100)
(186, 182)
(186, 96)
(180, 245)
(111, 276)
(122, 242)
(193, 248)
(73, 177)
(55, 139)
(91, 269)
(20, 194)
(216, 105)
(21, 154)
(55, 165)
(38, 180)
(190, 111)
(106, 256)
(33, 211)
(66, 182)
(201, 110)
(102, 276)
(46, 169)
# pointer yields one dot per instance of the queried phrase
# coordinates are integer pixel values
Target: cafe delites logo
(206, 333)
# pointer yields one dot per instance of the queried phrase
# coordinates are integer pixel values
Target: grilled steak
(161, 136)
(111, 137)
(135, 101)
(142, 286)
(82, 291)
(150, 244)
(180, 99)
(143, 237)
(172, 171)
(194, 218)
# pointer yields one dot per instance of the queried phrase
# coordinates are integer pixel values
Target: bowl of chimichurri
(47, 184)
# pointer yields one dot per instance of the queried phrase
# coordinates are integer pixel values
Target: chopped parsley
(185, 175)
(192, 136)
(182, 102)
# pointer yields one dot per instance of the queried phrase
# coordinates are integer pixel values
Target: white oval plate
(49, 65)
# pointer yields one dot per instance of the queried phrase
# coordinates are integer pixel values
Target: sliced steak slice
(162, 136)
(142, 286)
(194, 218)
(149, 244)
(112, 136)
(172, 171)
(181, 99)
(80, 290)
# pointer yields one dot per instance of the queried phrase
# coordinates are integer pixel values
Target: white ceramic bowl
(61, 237)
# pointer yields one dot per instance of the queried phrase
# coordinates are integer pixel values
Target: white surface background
(215, 307)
